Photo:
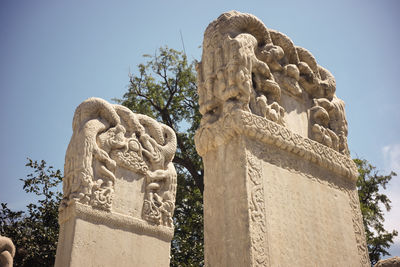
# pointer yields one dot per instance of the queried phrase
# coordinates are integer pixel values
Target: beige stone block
(90, 237)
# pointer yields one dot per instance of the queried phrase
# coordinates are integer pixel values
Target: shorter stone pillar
(119, 189)
(7, 252)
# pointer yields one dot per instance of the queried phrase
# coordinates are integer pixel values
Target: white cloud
(391, 156)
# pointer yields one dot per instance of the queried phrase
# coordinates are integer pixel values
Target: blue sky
(55, 54)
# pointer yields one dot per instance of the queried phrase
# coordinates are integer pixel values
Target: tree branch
(187, 164)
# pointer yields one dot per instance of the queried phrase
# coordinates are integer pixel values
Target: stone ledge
(240, 122)
(115, 220)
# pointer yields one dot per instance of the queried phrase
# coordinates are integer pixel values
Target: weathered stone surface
(280, 187)
(7, 252)
(119, 189)
(391, 262)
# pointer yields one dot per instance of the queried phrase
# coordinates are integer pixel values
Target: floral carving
(108, 136)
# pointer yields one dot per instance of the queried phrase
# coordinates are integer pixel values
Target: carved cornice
(242, 123)
(116, 220)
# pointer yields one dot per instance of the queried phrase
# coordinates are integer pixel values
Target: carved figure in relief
(106, 136)
(246, 66)
(330, 125)
(231, 75)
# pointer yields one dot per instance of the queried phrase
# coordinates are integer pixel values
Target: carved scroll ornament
(246, 66)
(107, 136)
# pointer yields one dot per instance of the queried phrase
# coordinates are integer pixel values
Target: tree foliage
(165, 88)
(35, 231)
(372, 202)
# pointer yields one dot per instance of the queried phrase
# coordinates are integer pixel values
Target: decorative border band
(240, 122)
(121, 221)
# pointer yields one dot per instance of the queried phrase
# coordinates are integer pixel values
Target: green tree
(372, 201)
(35, 231)
(165, 88)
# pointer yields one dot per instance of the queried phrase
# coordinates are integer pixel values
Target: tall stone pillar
(280, 186)
(119, 189)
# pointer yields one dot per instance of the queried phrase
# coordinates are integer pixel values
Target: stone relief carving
(358, 227)
(107, 136)
(258, 224)
(7, 252)
(247, 66)
(232, 74)
(329, 124)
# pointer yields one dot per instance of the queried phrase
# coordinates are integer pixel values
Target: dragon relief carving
(106, 136)
(246, 66)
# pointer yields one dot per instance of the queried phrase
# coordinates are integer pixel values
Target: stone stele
(119, 189)
(280, 187)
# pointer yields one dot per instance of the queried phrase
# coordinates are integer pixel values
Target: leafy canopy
(372, 201)
(35, 231)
